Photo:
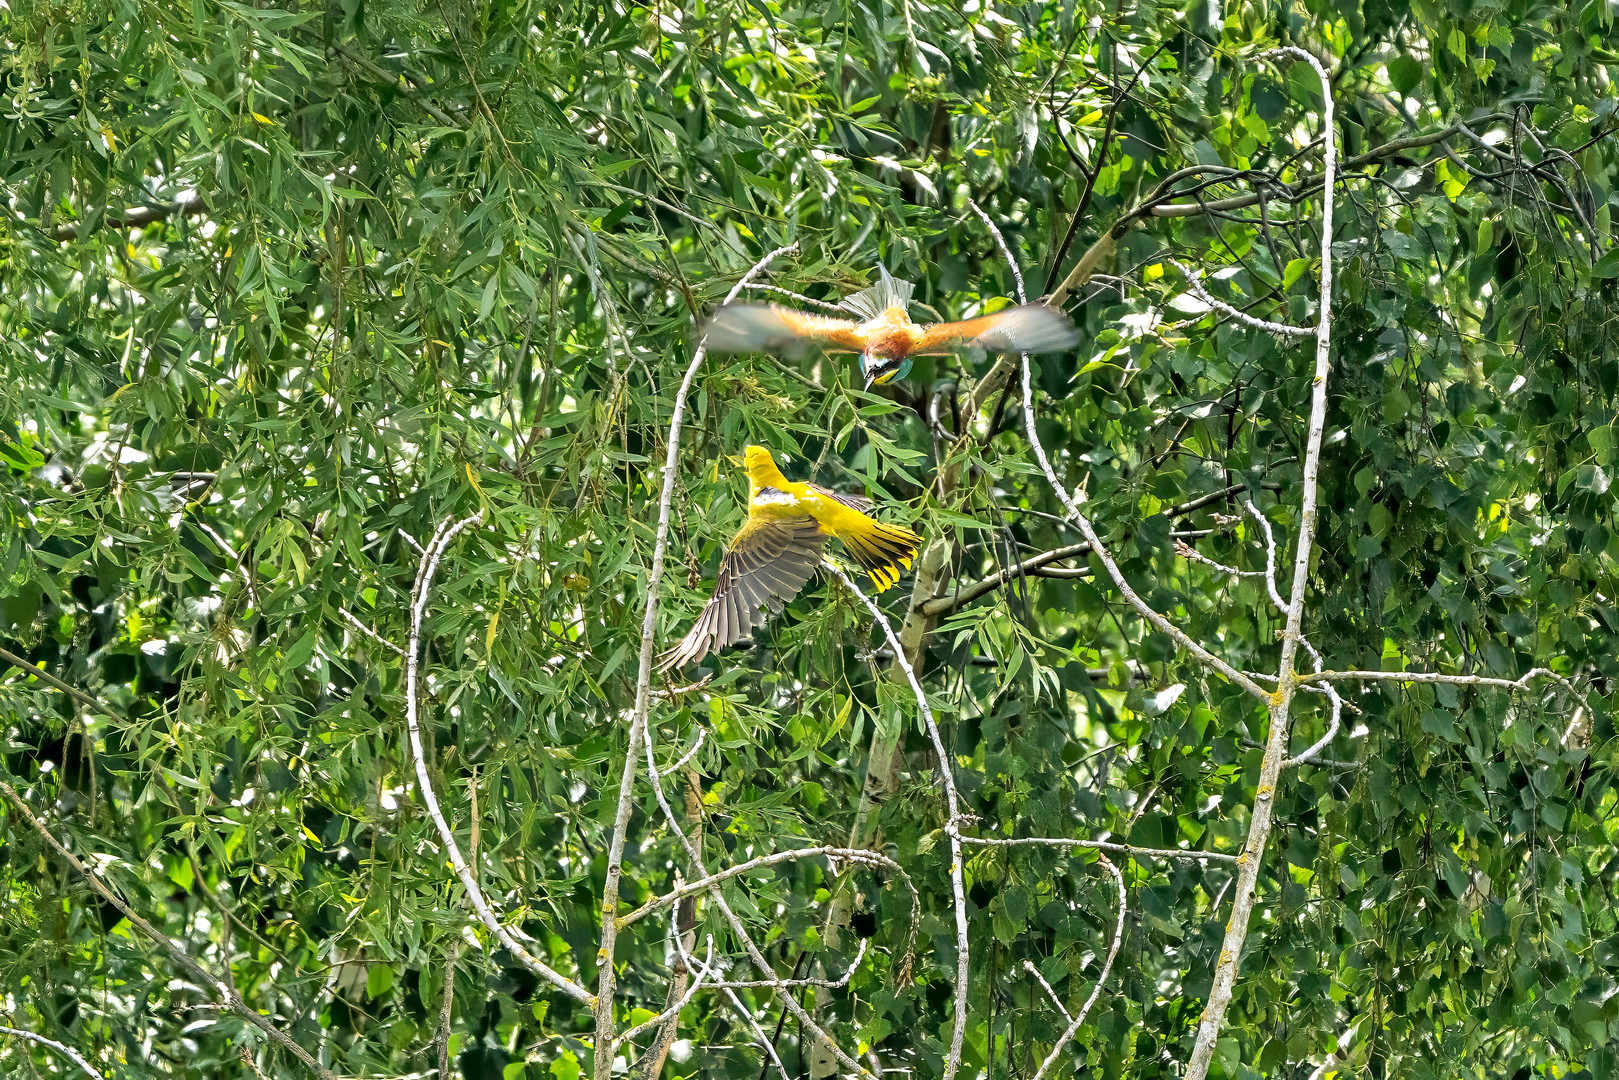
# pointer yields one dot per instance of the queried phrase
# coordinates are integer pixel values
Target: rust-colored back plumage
(885, 334)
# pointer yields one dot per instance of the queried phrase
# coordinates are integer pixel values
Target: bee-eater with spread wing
(887, 340)
(777, 550)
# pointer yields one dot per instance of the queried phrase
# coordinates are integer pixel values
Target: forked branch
(607, 979)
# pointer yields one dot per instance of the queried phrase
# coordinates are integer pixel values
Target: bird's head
(761, 466)
(882, 370)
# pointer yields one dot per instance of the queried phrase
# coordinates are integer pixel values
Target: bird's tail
(883, 551)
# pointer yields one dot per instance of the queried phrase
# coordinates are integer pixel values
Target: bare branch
(1308, 755)
(368, 632)
(1154, 205)
(61, 1048)
(1113, 951)
(703, 969)
(780, 984)
(603, 1064)
(690, 888)
(1055, 1000)
(1101, 845)
(219, 987)
(952, 802)
(689, 754)
(680, 691)
(446, 1009)
(399, 83)
(737, 926)
(810, 301)
(1162, 624)
(1190, 553)
(1520, 683)
(447, 532)
(1225, 972)
(1238, 314)
(1270, 557)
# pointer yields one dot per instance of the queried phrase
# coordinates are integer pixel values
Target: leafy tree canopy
(284, 291)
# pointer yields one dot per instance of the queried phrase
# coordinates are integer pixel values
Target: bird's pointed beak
(735, 461)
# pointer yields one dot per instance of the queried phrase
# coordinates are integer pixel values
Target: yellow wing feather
(777, 551)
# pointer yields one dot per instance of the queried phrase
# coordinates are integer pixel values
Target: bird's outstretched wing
(767, 564)
(1028, 328)
(881, 550)
(853, 502)
(770, 328)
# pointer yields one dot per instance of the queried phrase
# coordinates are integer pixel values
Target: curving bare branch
(434, 551)
(607, 978)
(958, 1031)
(1112, 952)
(1284, 329)
(1225, 972)
(1101, 845)
(61, 1048)
(1158, 621)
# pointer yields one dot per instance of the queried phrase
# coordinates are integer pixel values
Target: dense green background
(377, 264)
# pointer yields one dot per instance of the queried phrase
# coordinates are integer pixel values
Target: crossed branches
(1287, 680)
(641, 742)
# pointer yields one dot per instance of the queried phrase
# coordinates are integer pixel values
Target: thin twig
(1190, 553)
(830, 852)
(61, 1048)
(694, 854)
(836, 309)
(689, 754)
(1238, 314)
(1113, 951)
(702, 970)
(952, 826)
(368, 632)
(1034, 565)
(1101, 845)
(790, 984)
(1055, 1000)
(1520, 683)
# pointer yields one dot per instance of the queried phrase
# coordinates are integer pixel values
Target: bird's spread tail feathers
(883, 551)
(889, 292)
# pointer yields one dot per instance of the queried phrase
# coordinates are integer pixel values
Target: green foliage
(283, 288)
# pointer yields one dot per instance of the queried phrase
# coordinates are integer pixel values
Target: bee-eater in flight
(777, 550)
(886, 338)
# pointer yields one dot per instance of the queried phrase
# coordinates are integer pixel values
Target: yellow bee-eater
(887, 339)
(777, 550)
